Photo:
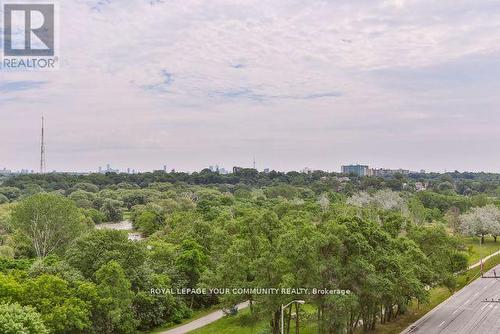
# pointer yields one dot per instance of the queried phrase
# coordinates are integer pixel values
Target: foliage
(98, 247)
(481, 221)
(112, 210)
(17, 319)
(383, 239)
(115, 306)
(51, 222)
(56, 301)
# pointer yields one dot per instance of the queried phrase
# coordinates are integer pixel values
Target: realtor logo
(30, 36)
(29, 30)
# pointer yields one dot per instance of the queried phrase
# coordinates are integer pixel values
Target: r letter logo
(29, 30)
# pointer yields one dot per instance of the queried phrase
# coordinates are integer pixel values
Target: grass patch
(242, 324)
(234, 325)
(171, 325)
(126, 215)
(478, 252)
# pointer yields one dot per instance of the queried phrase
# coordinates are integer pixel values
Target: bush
(3, 199)
(16, 319)
(6, 252)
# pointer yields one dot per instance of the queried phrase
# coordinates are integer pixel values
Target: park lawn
(236, 325)
(477, 252)
(233, 325)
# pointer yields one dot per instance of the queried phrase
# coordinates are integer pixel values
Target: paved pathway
(484, 260)
(201, 322)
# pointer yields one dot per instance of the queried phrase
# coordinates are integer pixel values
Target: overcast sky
(295, 83)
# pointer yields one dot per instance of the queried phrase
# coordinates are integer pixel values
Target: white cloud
(317, 83)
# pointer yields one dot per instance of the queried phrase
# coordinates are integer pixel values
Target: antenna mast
(42, 150)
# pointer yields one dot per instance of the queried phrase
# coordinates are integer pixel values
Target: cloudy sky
(191, 83)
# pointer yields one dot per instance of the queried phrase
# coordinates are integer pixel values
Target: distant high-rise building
(214, 169)
(384, 172)
(5, 171)
(306, 170)
(358, 170)
(108, 170)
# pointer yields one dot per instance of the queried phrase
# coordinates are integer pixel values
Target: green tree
(112, 209)
(17, 319)
(61, 311)
(190, 264)
(85, 186)
(51, 222)
(96, 248)
(153, 310)
(11, 193)
(83, 199)
(3, 199)
(115, 305)
(191, 261)
(11, 289)
(148, 222)
(96, 216)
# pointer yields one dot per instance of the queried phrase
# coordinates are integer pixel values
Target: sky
(294, 83)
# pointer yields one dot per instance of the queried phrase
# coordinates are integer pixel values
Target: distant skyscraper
(358, 170)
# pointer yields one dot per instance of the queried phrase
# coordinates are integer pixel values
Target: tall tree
(481, 221)
(51, 222)
(115, 305)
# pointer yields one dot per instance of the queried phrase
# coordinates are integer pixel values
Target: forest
(386, 241)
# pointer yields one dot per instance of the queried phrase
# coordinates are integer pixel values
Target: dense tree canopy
(381, 241)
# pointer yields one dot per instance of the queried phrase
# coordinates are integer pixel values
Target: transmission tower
(42, 150)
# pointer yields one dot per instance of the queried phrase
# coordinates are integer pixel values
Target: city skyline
(355, 168)
(316, 84)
